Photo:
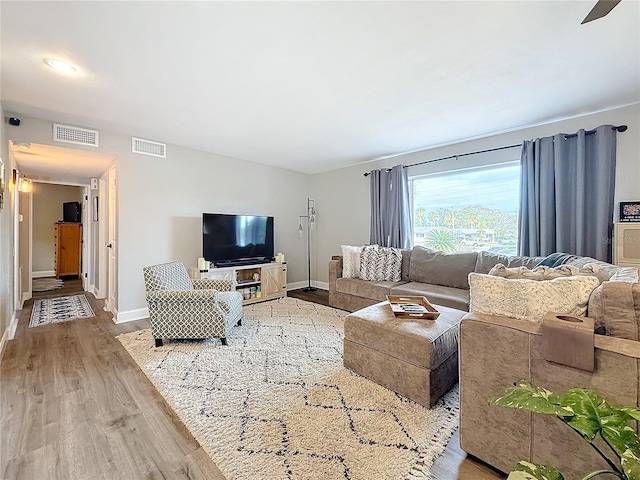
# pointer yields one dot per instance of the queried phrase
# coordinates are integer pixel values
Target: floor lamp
(311, 219)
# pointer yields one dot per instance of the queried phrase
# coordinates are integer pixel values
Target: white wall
(7, 299)
(47, 210)
(343, 195)
(161, 201)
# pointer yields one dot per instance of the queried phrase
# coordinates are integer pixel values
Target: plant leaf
(531, 471)
(632, 412)
(534, 399)
(622, 438)
(589, 409)
(631, 465)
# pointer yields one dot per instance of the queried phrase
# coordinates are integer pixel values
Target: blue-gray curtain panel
(566, 194)
(390, 211)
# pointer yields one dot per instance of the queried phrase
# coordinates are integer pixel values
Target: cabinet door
(274, 280)
(220, 274)
(69, 242)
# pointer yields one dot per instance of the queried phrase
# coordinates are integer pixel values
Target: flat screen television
(237, 239)
(71, 212)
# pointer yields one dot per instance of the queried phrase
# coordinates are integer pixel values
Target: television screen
(71, 212)
(237, 239)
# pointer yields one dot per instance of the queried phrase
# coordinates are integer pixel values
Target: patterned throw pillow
(626, 274)
(351, 261)
(381, 264)
(549, 273)
(530, 300)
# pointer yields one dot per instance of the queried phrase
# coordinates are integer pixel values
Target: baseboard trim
(44, 273)
(131, 315)
(9, 333)
(24, 297)
(297, 285)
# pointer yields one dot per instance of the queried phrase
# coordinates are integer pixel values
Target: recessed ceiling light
(59, 65)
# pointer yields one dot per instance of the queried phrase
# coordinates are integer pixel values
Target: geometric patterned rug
(277, 403)
(46, 284)
(61, 309)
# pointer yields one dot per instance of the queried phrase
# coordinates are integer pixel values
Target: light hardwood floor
(74, 405)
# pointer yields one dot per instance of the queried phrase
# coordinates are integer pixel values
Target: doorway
(60, 176)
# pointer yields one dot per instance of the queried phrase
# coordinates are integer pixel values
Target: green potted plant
(588, 414)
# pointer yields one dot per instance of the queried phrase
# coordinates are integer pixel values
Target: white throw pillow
(530, 300)
(351, 261)
(626, 274)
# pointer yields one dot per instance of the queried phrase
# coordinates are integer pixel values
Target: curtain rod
(619, 128)
(456, 156)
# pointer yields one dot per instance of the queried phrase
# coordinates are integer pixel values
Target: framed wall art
(630, 211)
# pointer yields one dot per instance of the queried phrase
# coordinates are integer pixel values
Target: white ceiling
(315, 86)
(56, 164)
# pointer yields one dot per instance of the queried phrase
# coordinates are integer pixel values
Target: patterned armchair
(180, 307)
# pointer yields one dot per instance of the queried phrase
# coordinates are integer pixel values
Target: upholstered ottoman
(415, 358)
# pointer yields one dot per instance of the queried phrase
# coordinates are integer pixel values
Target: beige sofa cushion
(616, 307)
(438, 268)
(529, 299)
(487, 260)
(364, 288)
(436, 294)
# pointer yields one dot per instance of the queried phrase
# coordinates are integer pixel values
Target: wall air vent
(147, 147)
(77, 135)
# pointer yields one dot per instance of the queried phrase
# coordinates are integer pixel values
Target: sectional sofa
(496, 352)
(439, 276)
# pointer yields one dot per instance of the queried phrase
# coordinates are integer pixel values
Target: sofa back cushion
(615, 306)
(487, 260)
(406, 263)
(530, 299)
(439, 268)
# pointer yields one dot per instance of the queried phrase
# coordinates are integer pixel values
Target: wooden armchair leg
(158, 342)
(224, 340)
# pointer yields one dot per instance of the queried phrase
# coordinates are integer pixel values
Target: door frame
(87, 269)
(111, 246)
(102, 253)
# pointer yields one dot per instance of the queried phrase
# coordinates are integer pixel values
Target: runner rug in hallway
(60, 309)
(46, 284)
(276, 403)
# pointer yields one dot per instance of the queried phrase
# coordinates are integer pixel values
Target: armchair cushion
(167, 276)
(216, 284)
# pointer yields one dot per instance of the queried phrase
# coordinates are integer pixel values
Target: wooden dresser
(68, 243)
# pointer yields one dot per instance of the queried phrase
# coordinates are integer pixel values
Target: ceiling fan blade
(600, 9)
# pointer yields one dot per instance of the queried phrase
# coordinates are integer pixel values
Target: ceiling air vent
(77, 135)
(147, 147)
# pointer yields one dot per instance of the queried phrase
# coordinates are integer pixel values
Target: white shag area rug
(276, 403)
(60, 309)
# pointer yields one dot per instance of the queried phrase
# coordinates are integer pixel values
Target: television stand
(242, 262)
(256, 282)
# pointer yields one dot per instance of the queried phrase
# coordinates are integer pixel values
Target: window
(468, 210)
